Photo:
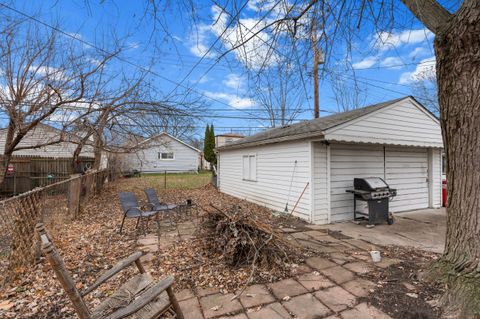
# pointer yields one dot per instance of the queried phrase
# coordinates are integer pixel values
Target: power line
(114, 56)
(209, 49)
(395, 66)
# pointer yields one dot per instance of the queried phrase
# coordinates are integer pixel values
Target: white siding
(146, 160)
(347, 162)
(44, 134)
(400, 124)
(275, 164)
(437, 178)
(320, 180)
(407, 171)
(403, 168)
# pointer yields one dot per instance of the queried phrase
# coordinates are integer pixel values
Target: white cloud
(52, 73)
(392, 62)
(203, 79)
(365, 63)
(389, 40)
(419, 51)
(254, 53)
(425, 69)
(234, 81)
(198, 41)
(233, 100)
(133, 45)
(75, 35)
(94, 61)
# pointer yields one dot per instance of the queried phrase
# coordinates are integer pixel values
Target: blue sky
(386, 64)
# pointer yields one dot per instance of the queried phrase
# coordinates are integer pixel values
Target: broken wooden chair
(138, 298)
(132, 209)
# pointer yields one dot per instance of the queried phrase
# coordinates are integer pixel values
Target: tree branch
(430, 13)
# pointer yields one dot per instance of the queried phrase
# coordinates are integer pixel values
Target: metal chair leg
(121, 226)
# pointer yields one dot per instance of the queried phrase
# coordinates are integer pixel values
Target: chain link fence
(55, 203)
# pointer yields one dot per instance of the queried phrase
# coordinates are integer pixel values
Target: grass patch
(178, 180)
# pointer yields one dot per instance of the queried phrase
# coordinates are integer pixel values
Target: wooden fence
(31, 172)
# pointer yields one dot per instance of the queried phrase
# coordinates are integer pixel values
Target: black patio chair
(154, 203)
(132, 209)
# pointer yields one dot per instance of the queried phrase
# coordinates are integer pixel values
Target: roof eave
(282, 139)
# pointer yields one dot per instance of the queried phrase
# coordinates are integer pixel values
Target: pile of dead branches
(244, 236)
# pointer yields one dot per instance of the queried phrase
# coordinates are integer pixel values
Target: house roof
(231, 135)
(172, 137)
(308, 129)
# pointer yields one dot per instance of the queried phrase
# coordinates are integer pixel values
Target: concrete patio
(423, 229)
(329, 285)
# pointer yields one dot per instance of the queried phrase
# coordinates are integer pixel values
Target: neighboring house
(224, 139)
(163, 152)
(204, 164)
(43, 134)
(398, 140)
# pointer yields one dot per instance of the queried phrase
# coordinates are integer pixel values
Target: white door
(406, 169)
(348, 161)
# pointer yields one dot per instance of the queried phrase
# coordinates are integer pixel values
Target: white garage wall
(403, 123)
(347, 162)
(403, 168)
(437, 178)
(320, 180)
(407, 171)
(275, 164)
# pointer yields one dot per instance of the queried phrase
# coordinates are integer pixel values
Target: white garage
(306, 168)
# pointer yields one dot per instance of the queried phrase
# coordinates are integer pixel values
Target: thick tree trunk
(458, 72)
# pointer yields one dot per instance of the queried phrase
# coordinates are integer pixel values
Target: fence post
(88, 185)
(74, 190)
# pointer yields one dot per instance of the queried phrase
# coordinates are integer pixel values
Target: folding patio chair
(132, 209)
(154, 203)
(139, 297)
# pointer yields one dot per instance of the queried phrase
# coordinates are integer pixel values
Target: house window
(166, 156)
(249, 167)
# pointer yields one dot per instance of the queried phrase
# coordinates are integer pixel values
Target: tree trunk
(97, 151)
(457, 51)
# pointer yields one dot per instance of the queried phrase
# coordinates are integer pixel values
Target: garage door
(347, 162)
(403, 168)
(406, 169)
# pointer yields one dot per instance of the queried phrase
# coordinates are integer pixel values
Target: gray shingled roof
(312, 128)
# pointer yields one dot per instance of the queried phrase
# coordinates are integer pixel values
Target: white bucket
(376, 258)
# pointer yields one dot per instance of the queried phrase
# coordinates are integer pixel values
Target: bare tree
(42, 78)
(425, 89)
(457, 47)
(278, 93)
(348, 95)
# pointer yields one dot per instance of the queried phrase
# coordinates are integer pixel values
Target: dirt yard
(92, 244)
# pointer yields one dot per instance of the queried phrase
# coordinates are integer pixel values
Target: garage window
(166, 156)
(249, 167)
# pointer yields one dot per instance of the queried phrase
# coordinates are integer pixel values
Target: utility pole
(318, 58)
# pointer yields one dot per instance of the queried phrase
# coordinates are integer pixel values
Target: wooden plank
(147, 297)
(64, 277)
(123, 296)
(74, 190)
(113, 271)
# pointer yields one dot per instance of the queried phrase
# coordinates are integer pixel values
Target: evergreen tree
(209, 145)
(212, 137)
(205, 143)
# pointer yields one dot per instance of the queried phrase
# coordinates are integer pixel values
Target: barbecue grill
(376, 192)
